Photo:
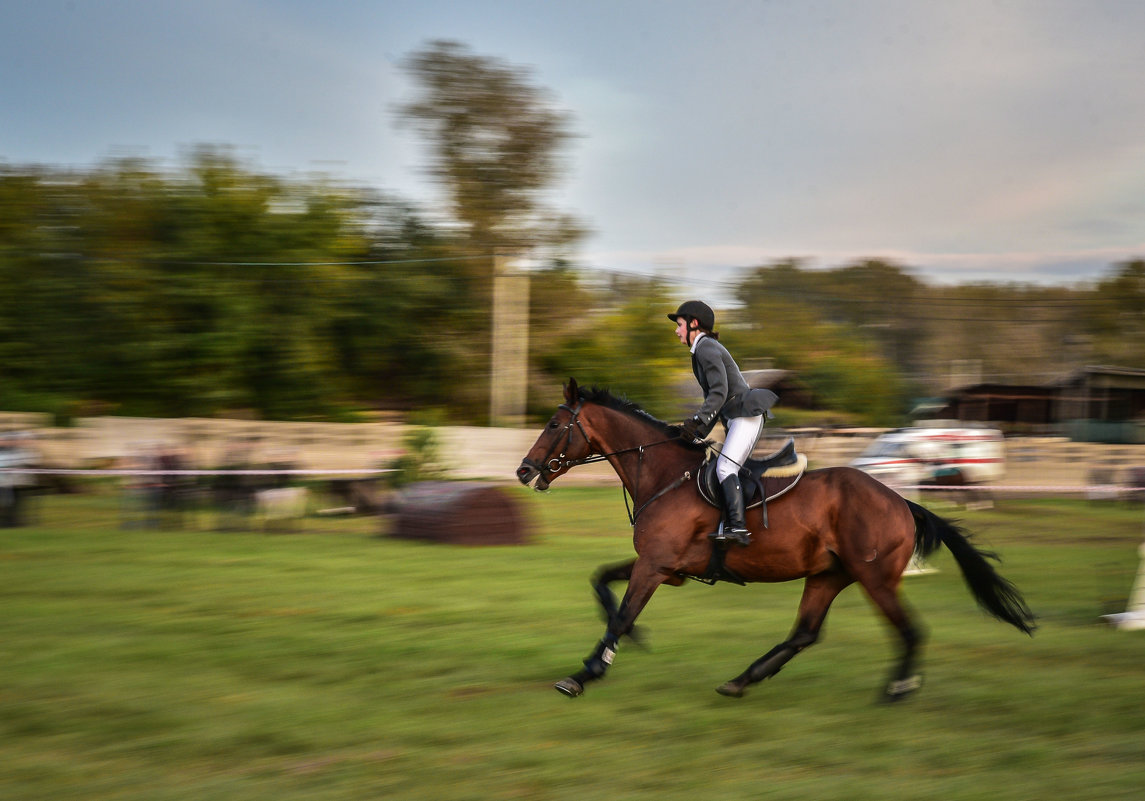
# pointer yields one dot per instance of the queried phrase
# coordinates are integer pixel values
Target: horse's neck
(642, 452)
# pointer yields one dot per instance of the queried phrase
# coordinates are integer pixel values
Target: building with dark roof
(1091, 404)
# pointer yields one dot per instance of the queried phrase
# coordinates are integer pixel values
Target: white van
(911, 456)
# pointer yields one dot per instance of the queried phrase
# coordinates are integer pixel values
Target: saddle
(762, 479)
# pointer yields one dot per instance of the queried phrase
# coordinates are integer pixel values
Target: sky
(979, 140)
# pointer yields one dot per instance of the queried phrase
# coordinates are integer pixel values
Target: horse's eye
(554, 423)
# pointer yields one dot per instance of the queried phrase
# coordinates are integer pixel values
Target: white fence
(488, 453)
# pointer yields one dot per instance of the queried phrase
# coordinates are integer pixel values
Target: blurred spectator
(16, 485)
(135, 501)
(281, 459)
(233, 493)
(1135, 484)
(281, 501)
(172, 489)
(1100, 482)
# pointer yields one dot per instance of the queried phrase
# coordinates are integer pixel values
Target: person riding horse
(729, 398)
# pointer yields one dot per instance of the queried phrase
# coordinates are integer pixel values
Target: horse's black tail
(994, 594)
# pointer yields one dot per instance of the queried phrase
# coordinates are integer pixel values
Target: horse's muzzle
(528, 471)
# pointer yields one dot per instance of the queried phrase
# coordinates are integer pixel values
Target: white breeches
(743, 434)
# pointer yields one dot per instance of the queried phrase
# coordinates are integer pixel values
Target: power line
(901, 302)
(364, 262)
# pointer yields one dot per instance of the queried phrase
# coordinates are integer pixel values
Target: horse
(835, 526)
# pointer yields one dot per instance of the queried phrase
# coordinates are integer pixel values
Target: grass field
(337, 664)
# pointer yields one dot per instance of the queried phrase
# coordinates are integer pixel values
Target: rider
(727, 397)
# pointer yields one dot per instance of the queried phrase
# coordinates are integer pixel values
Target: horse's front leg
(601, 580)
(643, 579)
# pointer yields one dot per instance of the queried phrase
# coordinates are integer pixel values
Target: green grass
(337, 664)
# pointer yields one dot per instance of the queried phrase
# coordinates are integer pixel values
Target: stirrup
(737, 536)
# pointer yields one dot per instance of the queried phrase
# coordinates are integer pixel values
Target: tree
(495, 138)
(620, 341)
(797, 319)
(1117, 320)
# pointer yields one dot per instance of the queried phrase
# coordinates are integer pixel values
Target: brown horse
(836, 526)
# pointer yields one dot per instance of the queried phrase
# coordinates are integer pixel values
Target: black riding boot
(734, 531)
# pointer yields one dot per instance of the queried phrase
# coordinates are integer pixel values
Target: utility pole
(509, 374)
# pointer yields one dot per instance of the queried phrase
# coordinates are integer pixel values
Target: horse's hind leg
(905, 679)
(818, 593)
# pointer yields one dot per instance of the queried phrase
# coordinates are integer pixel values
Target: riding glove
(695, 428)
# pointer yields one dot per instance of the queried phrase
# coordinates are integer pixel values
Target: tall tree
(495, 138)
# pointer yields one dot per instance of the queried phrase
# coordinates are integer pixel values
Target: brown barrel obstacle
(461, 513)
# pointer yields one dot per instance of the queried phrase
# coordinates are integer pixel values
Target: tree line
(218, 289)
(215, 288)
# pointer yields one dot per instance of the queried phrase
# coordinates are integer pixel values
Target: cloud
(724, 134)
(700, 265)
(890, 128)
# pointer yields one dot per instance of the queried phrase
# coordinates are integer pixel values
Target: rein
(664, 491)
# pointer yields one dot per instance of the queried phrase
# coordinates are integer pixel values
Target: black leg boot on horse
(734, 530)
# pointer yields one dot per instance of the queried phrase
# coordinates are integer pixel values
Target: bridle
(553, 464)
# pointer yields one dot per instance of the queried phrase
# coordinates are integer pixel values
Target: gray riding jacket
(726, 393)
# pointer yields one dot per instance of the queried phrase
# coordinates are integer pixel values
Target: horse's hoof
(570, 687)
(730, 689)
(898, 690)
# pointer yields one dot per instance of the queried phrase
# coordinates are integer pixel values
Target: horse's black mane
(603, 397)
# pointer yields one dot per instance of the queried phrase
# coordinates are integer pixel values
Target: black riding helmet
(696, 310)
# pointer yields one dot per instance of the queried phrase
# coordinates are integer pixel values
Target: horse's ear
(570, 391)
